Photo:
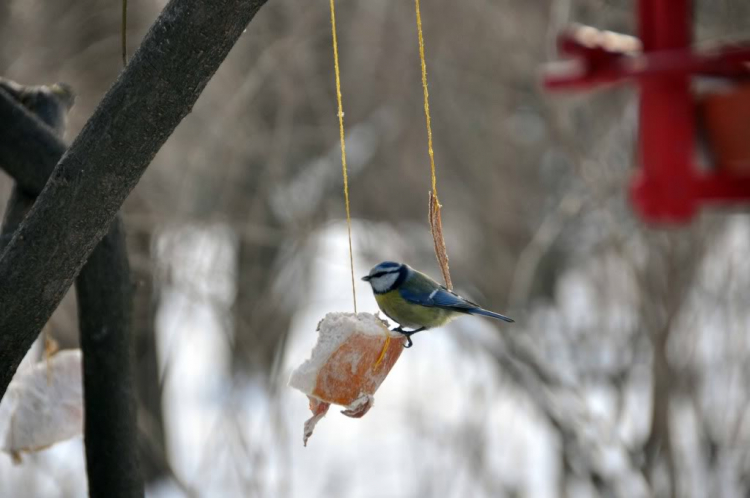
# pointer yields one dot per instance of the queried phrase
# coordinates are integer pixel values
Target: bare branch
(104, 299)
(18, 206)
(104, 311)
(179, 55)
(29, 149)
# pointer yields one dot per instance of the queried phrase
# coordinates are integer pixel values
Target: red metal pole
(663, 189)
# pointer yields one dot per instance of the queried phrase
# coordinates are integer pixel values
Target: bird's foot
(409, 342)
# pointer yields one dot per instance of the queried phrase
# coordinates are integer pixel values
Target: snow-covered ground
(405, 441)
(446, 422)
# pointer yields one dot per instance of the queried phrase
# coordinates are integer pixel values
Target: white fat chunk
(43, 405)
(333, 331)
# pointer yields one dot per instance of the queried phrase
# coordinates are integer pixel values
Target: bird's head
(386, 276)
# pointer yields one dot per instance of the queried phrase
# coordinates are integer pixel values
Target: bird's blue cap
(385, 266)
(388, 264)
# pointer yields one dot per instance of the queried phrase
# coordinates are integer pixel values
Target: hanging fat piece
(353, 355)
(43, 405)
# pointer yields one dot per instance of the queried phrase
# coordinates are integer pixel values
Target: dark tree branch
(104, 299)
(104, 312)
(29, 150)
(18, 206)
(179, 55)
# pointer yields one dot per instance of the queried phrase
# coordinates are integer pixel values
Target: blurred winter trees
(631, 345)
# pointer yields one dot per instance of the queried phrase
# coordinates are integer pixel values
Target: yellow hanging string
(384, 349)
(436, 225)
(426, 99)
(343, 147)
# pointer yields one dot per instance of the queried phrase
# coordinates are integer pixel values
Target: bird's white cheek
(384, 283)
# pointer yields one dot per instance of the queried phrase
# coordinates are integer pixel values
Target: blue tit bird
(415, 301)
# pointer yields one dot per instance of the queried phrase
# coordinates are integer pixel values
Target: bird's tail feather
(491, 314)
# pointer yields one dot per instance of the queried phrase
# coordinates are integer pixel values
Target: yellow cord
(385, 348)
(436, 225)
(343, 147)
(426, 101)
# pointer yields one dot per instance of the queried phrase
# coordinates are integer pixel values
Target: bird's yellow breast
(411, 315)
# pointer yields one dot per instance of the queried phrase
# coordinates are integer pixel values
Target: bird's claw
(409, 342)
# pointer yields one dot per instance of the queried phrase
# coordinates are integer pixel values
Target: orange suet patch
(353, 356)
(354, 370)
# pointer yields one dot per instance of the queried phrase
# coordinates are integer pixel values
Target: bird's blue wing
(445, 299)
(440, 298)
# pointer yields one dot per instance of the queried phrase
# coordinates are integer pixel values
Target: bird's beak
(366, 278)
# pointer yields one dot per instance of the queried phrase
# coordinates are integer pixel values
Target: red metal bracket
(669, 187)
